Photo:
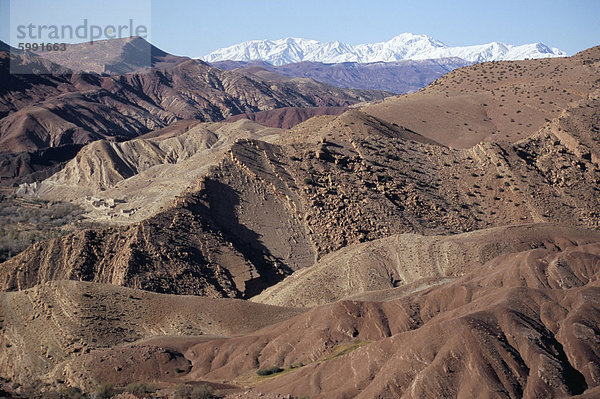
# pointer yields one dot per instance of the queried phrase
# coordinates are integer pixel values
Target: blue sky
(195, 28)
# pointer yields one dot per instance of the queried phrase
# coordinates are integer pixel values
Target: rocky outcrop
(268, 209)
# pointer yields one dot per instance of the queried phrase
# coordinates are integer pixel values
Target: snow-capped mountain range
(406, 46)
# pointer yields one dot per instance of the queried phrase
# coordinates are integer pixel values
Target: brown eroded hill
(287, 118)
(524, 325)
(507, 100)
(113, 56)
(520, 325)
(46, 328)
(133, 104)
(270, 208)
(35, 165)
(130, 181)
(411, 260)
(19, 90)
(41, 110)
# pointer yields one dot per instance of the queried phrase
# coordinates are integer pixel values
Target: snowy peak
(406, 46)
(277, 52)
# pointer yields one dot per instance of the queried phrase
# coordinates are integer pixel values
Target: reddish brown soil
(287, 118)
(493, 101)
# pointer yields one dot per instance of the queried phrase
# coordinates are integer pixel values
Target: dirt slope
(521, 326)
(287, 118)
(495, 100)
(410, 259)
(47, 327)
(130, 181)
(328, 183)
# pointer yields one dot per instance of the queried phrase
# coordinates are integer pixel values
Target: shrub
(71, 393)
(309, 181)
(194, 392)
(104, 391)
(269, 371)
(140, 388)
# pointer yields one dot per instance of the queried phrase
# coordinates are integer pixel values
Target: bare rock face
(154, 255)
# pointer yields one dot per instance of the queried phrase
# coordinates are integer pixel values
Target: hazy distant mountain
(397, 77)
(406, 46)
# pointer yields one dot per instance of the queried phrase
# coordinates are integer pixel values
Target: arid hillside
(524, 325)
(521, 324)
(127, 106)
(41, 111)
(86, 320)
(413, 258)
(494, 101)
(270, 208)
(114, 56)
(287, 118)
(372, 270)
(130, 181)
